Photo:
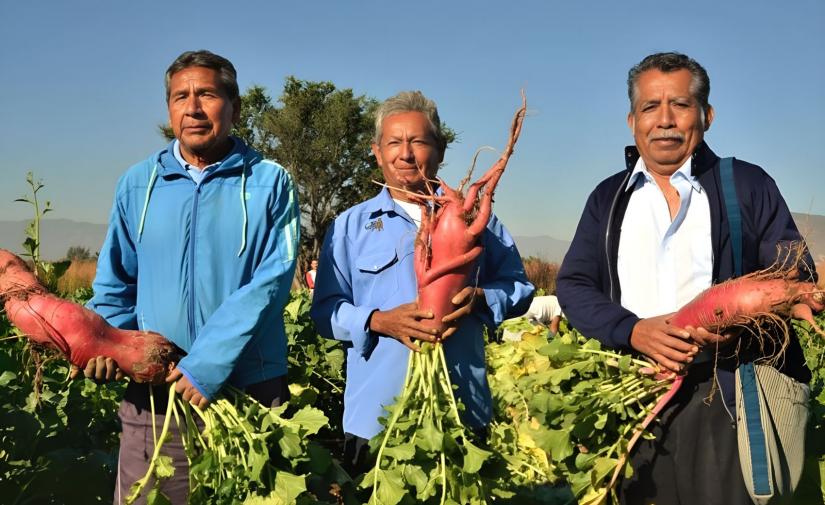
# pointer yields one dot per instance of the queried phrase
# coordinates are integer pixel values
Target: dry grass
(542, 274)
(79, 275)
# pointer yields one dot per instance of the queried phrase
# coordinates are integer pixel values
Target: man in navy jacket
(652, 237)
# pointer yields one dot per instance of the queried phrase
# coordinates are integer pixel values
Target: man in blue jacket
(651, 238)
(201, 248)
(366, 290)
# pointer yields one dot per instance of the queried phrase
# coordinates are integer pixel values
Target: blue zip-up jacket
(366, 264)
(588, 282)
(208, 266)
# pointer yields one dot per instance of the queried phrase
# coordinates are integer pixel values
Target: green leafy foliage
(425, 454)
(51, 441)
(565, 409)
(812, 486)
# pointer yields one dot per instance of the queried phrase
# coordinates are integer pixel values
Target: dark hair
(226, 71)
(671, 62)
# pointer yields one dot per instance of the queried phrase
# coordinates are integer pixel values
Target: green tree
(78, 253)
(322, 136)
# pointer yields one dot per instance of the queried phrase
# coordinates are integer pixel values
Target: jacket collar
(169, 166)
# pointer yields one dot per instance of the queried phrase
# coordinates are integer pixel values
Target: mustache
(666, 135)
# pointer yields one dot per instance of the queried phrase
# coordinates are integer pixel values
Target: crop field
(561, 424)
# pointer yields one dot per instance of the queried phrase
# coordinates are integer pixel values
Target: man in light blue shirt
(366, 290)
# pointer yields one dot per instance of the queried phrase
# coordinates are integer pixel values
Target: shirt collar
(187, 166)
(383, 201)
(684, 172)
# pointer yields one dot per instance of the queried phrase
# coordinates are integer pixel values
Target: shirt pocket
(377, 276)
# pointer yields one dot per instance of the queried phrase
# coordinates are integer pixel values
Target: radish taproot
(77, 332)
(449, 240)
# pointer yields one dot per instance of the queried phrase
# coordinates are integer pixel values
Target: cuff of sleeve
(363, 340)
(194, 382)
(620, 336)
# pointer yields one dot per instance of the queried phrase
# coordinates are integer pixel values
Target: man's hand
(669, 345)
(186, 389)
(403, 323)
(703, 337)
(464, 301)
(100, 369)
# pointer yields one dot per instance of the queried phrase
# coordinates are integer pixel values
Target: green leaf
(6, 377)
(401, 452)
(310, 419)
(288, 487)
(390, 487)
(430, 438)
(474, 457)
(155, 497)
(164, 467)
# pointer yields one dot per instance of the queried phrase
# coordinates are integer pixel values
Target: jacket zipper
(607, 233)
(192, 234)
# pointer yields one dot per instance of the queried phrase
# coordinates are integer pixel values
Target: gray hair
(226, 71)
(671, 62)
(410, 101)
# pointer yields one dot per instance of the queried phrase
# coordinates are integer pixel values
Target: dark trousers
(137, 441)
(694, 459)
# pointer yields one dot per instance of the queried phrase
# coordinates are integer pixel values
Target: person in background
(309, 277)
(544, 310)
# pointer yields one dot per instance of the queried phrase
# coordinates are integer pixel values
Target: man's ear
(376, 151)
(709, 117)
(631, 121)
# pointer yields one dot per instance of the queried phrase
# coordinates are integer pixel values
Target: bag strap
(760, 471)
(734, 215)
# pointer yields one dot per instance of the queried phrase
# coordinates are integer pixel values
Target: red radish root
(77, 332)
(448, 242)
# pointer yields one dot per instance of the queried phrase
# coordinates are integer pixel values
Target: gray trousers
(137, 441)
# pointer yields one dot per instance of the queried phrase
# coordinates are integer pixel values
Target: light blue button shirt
(366, 263)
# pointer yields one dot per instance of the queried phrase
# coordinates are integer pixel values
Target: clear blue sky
(81, 84)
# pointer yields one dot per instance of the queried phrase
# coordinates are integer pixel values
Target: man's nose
(666, 117)
(406, 151)
(193, 105)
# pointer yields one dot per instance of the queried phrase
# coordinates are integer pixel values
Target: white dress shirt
(664, 263)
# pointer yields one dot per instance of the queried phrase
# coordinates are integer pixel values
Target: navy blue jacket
(588, 283)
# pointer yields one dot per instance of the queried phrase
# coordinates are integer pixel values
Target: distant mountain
(544, 247)
(56, 236)
(60, 234)
(812, 227)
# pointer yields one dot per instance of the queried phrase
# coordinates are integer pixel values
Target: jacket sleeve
(115, 284)
(333, 308)
(778, 236)
(581, 281)
(506, 289)
(223, 337)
